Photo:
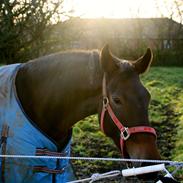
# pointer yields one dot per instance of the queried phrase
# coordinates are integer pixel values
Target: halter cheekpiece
(125, 132)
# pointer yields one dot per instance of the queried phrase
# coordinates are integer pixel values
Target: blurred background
(32, 28)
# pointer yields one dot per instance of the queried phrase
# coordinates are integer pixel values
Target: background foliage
(32, 28)
(24, 28)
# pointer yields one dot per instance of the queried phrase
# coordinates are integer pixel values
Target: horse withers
(42, 99)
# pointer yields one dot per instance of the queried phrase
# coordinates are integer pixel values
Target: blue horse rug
(20, 136)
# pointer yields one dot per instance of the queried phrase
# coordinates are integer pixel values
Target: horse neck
(58, 90)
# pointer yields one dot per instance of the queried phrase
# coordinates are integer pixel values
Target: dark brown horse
(58, 90)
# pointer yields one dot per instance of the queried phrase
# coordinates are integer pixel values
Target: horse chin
(144, 177)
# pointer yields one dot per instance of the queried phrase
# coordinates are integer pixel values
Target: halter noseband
(125, 131)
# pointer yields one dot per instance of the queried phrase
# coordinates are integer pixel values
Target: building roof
(128, 28)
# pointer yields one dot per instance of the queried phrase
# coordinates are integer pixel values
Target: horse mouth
(143, 177)
(148, 177)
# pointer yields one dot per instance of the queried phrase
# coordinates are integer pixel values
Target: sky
(120, 8)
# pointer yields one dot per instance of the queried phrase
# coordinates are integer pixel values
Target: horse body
(58, 90)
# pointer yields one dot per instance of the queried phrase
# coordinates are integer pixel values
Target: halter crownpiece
(125, 132)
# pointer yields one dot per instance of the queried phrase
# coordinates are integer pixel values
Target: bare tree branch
(23, 25)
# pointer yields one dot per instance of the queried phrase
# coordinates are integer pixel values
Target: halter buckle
(125, 134)
(105, 102)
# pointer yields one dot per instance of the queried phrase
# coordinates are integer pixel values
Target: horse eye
(117, 100)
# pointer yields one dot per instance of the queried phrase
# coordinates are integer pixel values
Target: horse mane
(88, 59)
(62, 62)
(72, 52)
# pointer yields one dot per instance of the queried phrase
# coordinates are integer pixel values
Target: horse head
(124, 111)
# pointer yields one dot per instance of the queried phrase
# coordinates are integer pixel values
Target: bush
(168, 58)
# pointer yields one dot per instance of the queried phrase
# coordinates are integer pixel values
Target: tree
(24, 26)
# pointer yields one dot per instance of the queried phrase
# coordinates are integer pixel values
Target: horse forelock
(126, 66)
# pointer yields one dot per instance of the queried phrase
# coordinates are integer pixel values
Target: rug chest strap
(44, 169)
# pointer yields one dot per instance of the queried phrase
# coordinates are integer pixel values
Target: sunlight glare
(113, 8)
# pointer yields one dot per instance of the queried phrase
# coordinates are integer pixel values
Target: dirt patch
(167, 131)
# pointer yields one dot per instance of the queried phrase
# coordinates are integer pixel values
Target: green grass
(166, 115)
(178, 151)
(166, 87)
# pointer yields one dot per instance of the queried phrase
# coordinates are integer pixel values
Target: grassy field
(166, 115)
(166, 109)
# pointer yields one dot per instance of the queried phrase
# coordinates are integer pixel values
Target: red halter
(125, 131)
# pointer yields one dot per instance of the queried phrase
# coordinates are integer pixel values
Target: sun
(112, 8)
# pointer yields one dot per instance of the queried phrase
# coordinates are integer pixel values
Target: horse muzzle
(143, 147)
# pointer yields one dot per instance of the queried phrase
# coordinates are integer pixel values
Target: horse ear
(107, 62)
(143, 63)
